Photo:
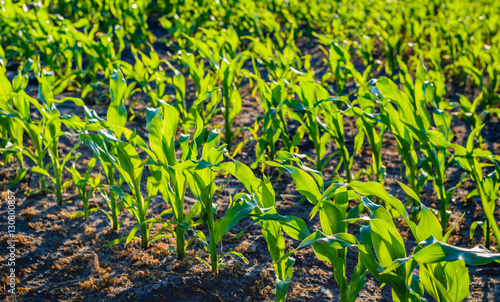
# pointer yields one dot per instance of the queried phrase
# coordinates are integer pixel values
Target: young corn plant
(178, 173)
(221, 55)
(14, 104)
(490, 189)
(229, 71)
(333, 118)
(470, 159)
(432, 143)
(148, 70)
(114, 204)
(387, 32)
(116, 120)
(217, 228)
(368, 124)
(413, 121)
(145, 71)
(364, 48)
(488, 96)
(471, 112)
(274, 226)
(390, 265)
(116, 116)
(340, 66)
(46, 133)
(205, 107)
(406, 148)
(381, 249)
(203, 79)
(331, 243)
(310, 94)
(86, 186)
(15, 116)
(114, 181)
(273, 124)
(162, 125)
(262, 197)
(38, 153)
(208, 96)
(127, 162)
(442, 271)
(280, 61)
(51, 138)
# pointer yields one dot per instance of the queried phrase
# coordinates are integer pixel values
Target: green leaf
(295, 228)
(429, 225)
(387, 242)
(40, 171)
(376, 189)
(117, 113)
(117, 241)
(304, 182)
(332, 219)
(436, 251)
(134, 230)
(21, 173)
(77, 215)
(409, 191)
(234, 215)
(438, 139)
(240, 255)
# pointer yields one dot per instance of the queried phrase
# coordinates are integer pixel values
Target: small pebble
(326, 292)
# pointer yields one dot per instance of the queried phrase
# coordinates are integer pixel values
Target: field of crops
(238, 150)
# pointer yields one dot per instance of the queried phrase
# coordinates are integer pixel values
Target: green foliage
(350, 74)
(86, 186)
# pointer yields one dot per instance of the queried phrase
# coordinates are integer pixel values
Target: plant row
(170, 162)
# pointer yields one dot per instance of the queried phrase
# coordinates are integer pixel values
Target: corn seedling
(310, 94)
(162, 128)
(86, 186)
(469, 159)
(274, 123)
